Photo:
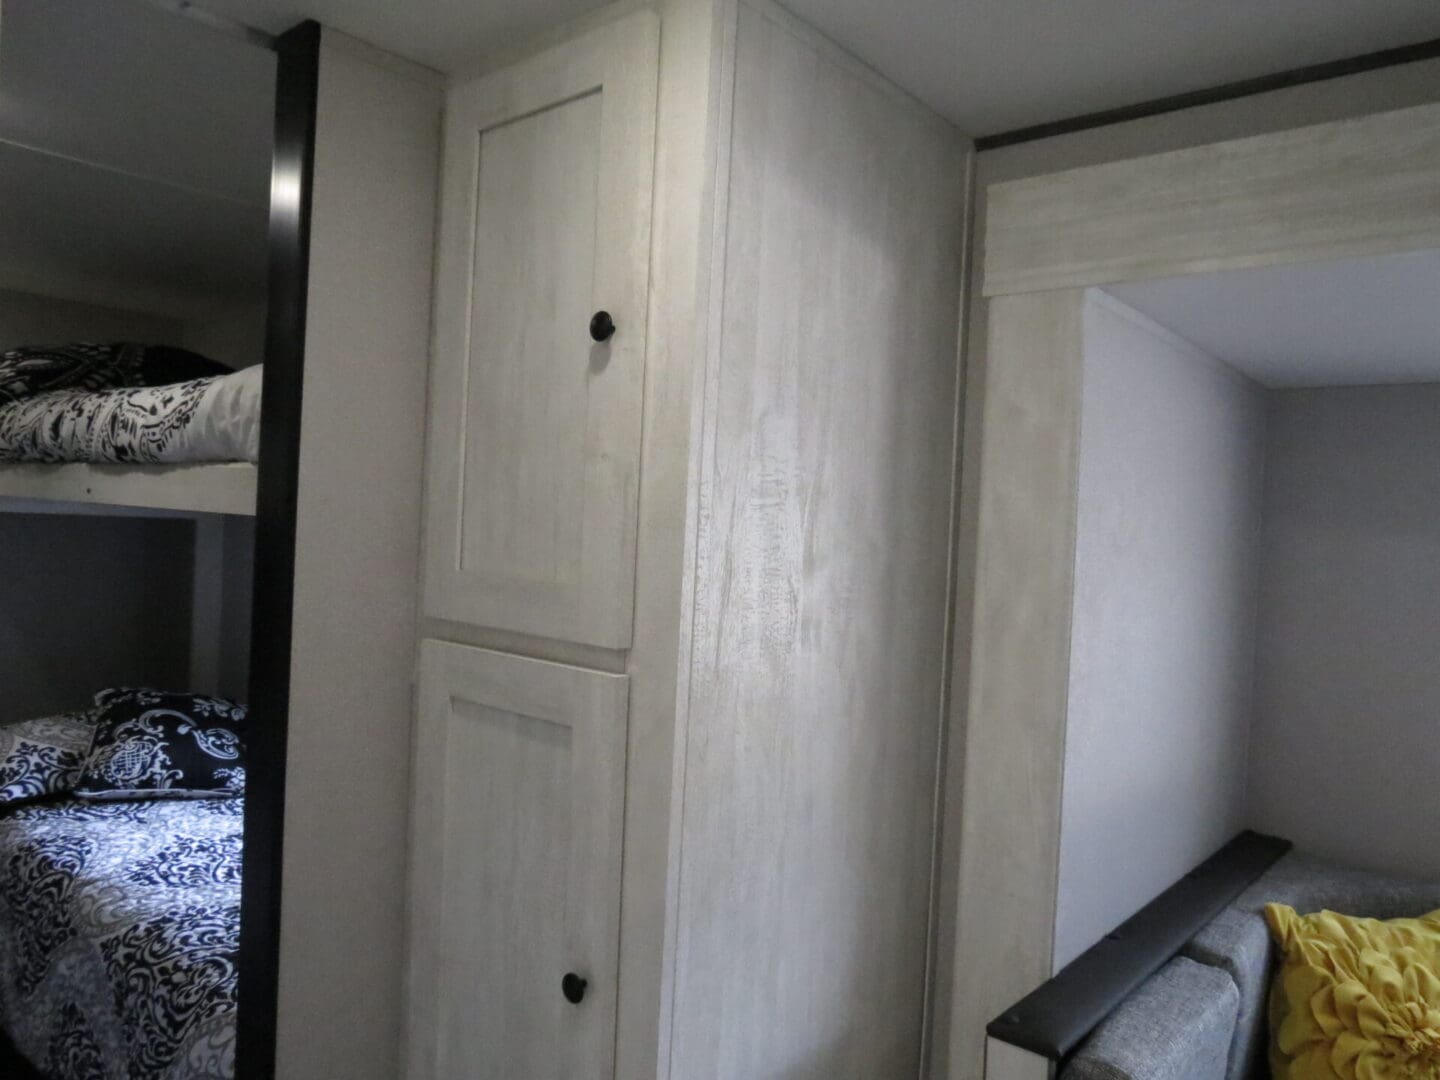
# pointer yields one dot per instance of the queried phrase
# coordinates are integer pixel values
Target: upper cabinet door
(536, 399)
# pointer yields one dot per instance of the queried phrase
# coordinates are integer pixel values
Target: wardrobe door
(520, 772)
(535, 396)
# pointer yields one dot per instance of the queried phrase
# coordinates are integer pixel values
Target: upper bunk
(134, 208)
(163, 428)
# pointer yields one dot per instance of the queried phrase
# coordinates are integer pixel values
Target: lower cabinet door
(515, 874)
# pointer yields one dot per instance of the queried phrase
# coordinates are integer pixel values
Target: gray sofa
(1203, 1015)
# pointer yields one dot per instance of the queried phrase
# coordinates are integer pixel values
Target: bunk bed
(120, 910)
(120, 846)
(139, 936)
(126, 424)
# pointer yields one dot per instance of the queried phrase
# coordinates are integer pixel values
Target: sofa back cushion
(1239, 943)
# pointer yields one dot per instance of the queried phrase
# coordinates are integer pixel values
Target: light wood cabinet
(519, 791)
(700, 571)
(534, 457)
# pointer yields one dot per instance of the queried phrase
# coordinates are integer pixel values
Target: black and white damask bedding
(211, 419)
(119, 936)
(28, 370)
(151, 744)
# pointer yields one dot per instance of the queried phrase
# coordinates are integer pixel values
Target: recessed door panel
(516, 880)
(536, 406)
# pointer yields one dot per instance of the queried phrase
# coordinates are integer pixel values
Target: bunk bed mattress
(119, 937)
(203, 420)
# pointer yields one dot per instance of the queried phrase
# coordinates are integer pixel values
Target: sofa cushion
(1238, 942)
(1178, 1025)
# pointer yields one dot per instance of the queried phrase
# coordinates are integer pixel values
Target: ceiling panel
(132, 87)
(1356, 322)
(447, 35)
(80, 233)
(997, 65)
(988, 65)
(135, 151)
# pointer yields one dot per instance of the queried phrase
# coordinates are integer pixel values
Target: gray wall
(1343, 758)
(90, 602)
(1167, 556)
(28, 319)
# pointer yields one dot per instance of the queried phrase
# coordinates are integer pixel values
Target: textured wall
(1163, 642)
(821, 569)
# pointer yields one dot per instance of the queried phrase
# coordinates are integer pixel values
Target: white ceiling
(1351, 323)
(447, 35)
(134, 156)
(997, 65)
(988, 65)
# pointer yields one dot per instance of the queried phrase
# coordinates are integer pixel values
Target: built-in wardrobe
(684, 599)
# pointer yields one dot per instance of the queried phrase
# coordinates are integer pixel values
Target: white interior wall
(1167, 557)
(1343, 760)
(1181, 607)
(357, 550)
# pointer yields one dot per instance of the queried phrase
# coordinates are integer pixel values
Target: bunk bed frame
(268, 493)
(222, 488)
(297, 94)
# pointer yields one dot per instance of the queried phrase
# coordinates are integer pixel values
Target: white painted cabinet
(519, 791)
(535, 425)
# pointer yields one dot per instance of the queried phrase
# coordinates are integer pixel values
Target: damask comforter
(210, 419)
(119, 936)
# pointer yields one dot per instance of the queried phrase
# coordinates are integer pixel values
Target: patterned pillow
(155, 745)
(30, 370)
(43, 757)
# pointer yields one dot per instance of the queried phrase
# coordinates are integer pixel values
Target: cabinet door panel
(535, 427)
(519, 782)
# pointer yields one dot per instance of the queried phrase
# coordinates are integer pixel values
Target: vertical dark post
(292, 177)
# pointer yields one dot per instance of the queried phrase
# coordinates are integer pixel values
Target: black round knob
(573, 987)
(602, 326)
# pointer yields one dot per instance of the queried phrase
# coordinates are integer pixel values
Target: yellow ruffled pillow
(1355, 999)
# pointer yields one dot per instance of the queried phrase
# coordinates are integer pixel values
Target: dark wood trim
(1056, 1018)
(1334, 69)
(297, 91)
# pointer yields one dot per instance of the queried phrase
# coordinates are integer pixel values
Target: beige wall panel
(1019, 666)
(356, 567)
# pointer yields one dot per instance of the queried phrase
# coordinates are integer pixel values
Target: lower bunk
(121, 835)
(119, 936)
